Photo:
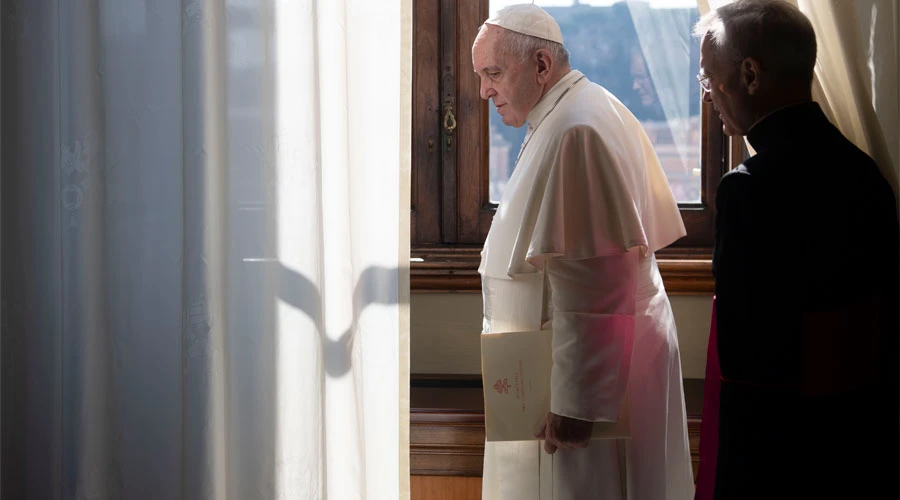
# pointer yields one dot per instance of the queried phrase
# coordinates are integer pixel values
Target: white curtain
(856, 76)
(856, 73)
(205, 244)
(664, 35)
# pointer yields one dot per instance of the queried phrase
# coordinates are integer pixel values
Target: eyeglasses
(704, 81)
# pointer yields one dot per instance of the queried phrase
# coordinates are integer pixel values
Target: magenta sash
(709, 425)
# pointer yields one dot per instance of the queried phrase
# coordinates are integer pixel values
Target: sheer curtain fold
(203, 260)
(664, 36)
(856, 74)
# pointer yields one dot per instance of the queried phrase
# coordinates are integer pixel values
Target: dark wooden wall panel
(426, 154)
(473, 131)
(445, 488)
(447, 425)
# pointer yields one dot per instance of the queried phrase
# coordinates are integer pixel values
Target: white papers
(546, 474)
(515, 370)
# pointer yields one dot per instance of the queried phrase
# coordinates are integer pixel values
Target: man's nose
(486, 91)
(706, 96)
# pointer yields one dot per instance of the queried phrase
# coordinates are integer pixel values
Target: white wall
(444, 331)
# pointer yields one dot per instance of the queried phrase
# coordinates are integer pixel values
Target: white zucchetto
(529, 20)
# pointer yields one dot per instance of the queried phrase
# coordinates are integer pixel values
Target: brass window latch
(449, 122)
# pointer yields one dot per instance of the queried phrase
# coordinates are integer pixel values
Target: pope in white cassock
(571, 249)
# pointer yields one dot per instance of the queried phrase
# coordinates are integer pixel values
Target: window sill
(454, 269)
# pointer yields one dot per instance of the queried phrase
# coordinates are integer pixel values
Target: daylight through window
(644, 54)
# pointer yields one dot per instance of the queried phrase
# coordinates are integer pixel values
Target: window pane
(643, 52)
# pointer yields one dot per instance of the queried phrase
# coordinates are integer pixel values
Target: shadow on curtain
(199, 265)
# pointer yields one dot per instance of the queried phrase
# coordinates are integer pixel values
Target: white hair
(775, 33)
(524, 46)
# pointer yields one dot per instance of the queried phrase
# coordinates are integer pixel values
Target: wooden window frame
(451, 210)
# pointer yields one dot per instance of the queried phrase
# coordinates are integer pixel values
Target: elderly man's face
(512, 85)
(726, 91)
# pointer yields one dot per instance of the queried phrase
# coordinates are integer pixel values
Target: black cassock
(807, 278)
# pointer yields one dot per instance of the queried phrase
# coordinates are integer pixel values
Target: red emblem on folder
(502, 386)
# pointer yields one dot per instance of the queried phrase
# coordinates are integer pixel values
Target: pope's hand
(564, 433)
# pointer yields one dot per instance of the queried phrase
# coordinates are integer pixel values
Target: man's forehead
(485, 38)
(707, 55)
(484, 49)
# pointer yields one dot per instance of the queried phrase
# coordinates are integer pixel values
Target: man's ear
(544, 65)
(750, 75)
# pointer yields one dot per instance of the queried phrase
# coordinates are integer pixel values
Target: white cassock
(572, 248)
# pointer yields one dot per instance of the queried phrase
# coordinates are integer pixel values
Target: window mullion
(449, 144)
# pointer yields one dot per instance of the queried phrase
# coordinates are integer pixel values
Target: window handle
(449, 122)
(449, 118)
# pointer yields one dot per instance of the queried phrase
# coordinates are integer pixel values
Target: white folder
(515, 370)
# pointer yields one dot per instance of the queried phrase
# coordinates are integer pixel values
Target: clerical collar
(551, 99)
(782, 124)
